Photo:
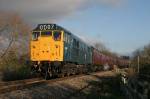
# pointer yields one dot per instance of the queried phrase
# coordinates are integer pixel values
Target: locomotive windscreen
(35, 35)
(57, 35)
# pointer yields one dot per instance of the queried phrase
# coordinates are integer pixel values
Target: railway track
(21, 84)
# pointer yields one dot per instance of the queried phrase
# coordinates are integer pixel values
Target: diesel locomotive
(55, 51)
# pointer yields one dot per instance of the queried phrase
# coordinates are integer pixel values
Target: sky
(122, 25)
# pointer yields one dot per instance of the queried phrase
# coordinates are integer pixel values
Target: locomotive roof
(44, 27)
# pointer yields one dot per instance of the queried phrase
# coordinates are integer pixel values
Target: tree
(102, 48)
(144, 56)
(14, 37)
(99, 46)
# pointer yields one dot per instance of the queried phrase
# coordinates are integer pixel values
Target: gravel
(84, 87)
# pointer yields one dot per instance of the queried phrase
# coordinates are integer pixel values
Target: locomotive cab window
(57, 35)
(46, 33)
(65, 37)
(35, 35)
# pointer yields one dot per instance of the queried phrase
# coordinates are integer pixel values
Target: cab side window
(65, 37)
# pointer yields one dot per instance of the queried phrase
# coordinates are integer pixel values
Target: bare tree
(14, 34)
(99, 46)
(102, 48)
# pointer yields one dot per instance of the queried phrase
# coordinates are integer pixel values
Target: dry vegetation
(14, 40)
(144, 57)
(103, 49)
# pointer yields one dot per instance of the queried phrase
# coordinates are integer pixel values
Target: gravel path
(85, 87)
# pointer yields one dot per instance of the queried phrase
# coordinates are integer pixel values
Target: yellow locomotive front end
(46, 49)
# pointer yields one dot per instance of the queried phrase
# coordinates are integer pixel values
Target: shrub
(16, 74)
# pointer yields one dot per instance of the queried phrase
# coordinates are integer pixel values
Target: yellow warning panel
(47, 46)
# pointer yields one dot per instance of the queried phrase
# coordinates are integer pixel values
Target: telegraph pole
(138, 64)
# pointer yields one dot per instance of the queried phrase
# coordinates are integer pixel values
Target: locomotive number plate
(47, 26)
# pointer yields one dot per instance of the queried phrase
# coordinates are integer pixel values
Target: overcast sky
(122, 25)
(50, 10)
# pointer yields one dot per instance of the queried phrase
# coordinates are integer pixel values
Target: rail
(21, 84)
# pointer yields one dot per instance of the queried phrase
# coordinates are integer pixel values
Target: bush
(144, 69)
(16, 74)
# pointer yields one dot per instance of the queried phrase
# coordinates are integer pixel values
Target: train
(55, 51)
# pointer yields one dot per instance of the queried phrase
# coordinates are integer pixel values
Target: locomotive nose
(45, 50)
